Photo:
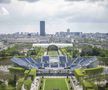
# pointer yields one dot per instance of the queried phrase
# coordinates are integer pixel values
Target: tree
(94, 74)
(4, 76)
(75, 53)
(16, 72)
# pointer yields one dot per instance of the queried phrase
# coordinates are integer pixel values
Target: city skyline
(59, 15)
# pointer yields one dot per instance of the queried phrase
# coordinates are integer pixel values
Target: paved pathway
(44, 84)
(23, 87)
(35, 84)
(75, 85)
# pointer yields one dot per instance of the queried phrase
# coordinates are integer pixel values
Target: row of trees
(67, 51)
(85, 51)
(15, 50)
(91, 78)
(36, 52)
(71, 52)
(6, 82)
(9, 52)
(94, 51)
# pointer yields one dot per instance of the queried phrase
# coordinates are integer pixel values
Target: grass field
(53, 53)
(55, 84)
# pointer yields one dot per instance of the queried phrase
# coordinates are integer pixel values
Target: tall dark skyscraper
(42, 28)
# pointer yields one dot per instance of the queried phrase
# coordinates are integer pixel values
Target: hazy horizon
(88, 16)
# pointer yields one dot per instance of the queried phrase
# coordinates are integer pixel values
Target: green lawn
(53, 53)
(55, 84)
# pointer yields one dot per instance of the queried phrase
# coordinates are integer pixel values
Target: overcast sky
(78, 15)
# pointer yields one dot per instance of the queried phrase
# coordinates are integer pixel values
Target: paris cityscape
(53, 45)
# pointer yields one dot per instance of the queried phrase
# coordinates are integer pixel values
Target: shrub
(27, 84)
(69, 81)
(20, 83)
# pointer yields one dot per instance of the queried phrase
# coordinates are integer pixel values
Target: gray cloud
(95, 0)
(29, 0)
(18, 20)
(74, 0)
(9, 1)
(85, 0)
(84, 17)
(87, 20)
(5, 1)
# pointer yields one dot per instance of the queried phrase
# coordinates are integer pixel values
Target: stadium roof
(57, 44)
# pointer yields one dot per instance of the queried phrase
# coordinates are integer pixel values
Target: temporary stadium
(53, 59)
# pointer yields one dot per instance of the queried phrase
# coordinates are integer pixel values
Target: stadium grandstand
(53, 59)
(78, 62)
